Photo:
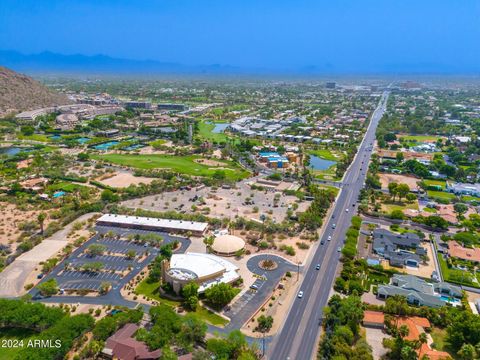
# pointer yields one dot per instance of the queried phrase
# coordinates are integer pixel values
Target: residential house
(399, 249)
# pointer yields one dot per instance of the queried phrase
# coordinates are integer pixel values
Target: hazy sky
(277, 34)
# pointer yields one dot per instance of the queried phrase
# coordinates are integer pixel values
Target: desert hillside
(19, 92)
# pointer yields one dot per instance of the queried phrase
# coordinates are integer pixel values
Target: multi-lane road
(298, 337)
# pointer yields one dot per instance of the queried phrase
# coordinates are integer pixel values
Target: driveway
(374, 339)
(13, 277)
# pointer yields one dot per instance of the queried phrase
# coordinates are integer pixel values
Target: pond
(317, 163)
(105, 146)
(83, 140)
(12, 150)
(220, 127)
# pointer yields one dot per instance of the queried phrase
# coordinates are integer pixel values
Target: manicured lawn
(34, 137)
(441, 183)
(205, 132)
(328, 174)
(10, 352)
(151, 290)
(389, 206)
(420, 138)
(65, 186)
(430, 210)
(326, 154)
(440, 195)
(182, 164)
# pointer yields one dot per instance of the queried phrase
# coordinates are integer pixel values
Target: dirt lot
(125, 179)
(221, 203)
(10, 218)
(386, 179)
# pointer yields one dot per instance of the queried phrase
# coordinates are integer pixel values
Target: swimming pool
(58, 194)
(55, 137)
(105, 146)
(450, 299)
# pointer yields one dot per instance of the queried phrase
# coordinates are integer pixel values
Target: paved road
(299, 333)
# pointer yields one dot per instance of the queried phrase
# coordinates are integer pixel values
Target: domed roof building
(227, 245)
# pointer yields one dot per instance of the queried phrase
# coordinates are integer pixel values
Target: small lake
(220, 127)
(83, 140)
(317, 163)
(12, 150)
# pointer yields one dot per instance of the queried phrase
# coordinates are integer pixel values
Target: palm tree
(41, 219)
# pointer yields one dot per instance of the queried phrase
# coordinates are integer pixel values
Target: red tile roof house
(416, 325)
(123, 346)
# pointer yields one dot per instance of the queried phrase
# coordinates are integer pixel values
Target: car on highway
(317, 267)
(334, 226)
(329, 237)
(346, 210)
(322, 242)
(300, 294)
(339, 249)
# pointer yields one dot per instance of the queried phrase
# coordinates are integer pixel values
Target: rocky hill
(19, 92)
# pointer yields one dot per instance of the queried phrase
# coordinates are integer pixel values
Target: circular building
(227, 245)
(204, 269)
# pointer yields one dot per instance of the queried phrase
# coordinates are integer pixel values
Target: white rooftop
(163, 223)
(197, 265)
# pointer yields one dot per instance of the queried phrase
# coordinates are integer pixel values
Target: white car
(346, 210)
(334, 226)
(300, 294)
(329, 238)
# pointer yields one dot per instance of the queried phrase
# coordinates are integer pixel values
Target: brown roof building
(123, 346)
(458, 251)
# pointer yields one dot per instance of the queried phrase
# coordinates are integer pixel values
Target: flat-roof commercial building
(204, 269)
(154, 224)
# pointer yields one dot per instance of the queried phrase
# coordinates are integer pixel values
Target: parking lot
(117, 268)
(241, 201)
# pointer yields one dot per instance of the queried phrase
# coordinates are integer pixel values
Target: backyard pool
(105, 146)
(55, 137)
(58, 194)
(317, 163)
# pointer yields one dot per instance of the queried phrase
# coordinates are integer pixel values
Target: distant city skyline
(344, 36)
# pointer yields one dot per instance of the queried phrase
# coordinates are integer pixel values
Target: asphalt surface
(298, 337)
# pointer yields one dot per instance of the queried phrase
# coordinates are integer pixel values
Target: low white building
(204, 269)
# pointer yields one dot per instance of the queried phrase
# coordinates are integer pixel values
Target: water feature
(83, 140)
(12, 150)
(220, 127)
(55, 137)
(106, 145)
(317, 163)
(58, 194)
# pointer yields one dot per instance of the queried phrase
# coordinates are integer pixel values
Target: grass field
(440, 195)
(34, 137)
(441, 183)
(420, 138)
(182, 164)
(389, 206)
(10, 352)
(470, 198)
(65, 186)
(151, 290)
(205, 132)
(326, 154)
